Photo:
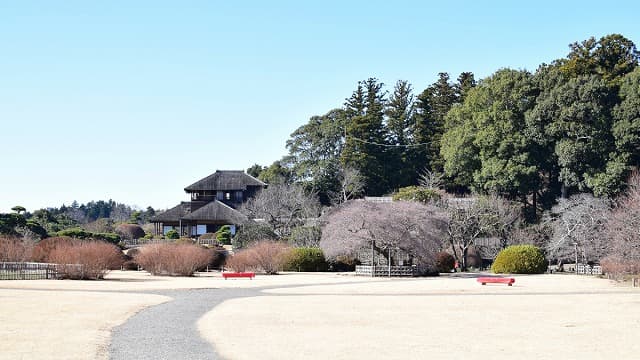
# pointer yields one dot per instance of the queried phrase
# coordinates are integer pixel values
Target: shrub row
(81, 260)
(305, 259)
(266, 255)
(174, 259)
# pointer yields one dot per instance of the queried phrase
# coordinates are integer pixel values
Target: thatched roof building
(214, 203)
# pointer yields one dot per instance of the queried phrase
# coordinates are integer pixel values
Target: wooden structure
(214, 203)
(385, 270)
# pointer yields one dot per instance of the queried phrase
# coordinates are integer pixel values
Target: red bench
(249, 275)
(496, 280)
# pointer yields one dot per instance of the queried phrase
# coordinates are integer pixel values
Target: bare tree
(433, 180)
(487, 216)
(578, 223)
(351, 185)
(623, 228)
(409, 228)
(283, 207)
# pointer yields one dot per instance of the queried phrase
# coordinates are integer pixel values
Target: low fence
(381, 270)
(589, 270)
(27, 271)
(141, 242)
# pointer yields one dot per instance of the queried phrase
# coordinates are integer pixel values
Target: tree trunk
(465, 251)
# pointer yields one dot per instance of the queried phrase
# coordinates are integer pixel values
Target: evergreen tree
(365, 145)
(400, 111)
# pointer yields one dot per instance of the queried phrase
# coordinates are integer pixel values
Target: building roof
(173, 214)
(217, 211)
(225, 180)
(214, 211)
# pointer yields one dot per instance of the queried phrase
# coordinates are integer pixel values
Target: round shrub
(172, 234)
(130, 231)
(43, 249)
(520, 259)
(445, 262)
(305, 259)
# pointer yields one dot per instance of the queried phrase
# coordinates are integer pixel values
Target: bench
(496, 280)
(249, 275)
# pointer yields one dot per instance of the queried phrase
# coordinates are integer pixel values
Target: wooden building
(215, 200)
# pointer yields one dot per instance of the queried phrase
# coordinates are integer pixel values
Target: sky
(135, 100)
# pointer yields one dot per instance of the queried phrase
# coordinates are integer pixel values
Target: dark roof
(217, 211)
(173, 214)
(224, 180)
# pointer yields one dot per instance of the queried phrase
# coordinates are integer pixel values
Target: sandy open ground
(541, 317)
(320, 316)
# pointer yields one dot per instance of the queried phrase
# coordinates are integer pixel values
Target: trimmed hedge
(305, 259)
(520, 259)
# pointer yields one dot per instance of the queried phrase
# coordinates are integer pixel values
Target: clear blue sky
(108, 100)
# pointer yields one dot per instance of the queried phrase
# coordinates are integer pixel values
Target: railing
(589, 270)
(27, 271)
(141, 242)
(382, 270)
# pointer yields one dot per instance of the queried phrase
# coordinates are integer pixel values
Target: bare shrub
(15, 249)
(269, 255)
(266, 255)
(618, 267)
(173, 259)
(43, 249)
(86, 259)
(241, 261)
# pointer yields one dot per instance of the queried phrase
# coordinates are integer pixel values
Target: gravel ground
(168, 331)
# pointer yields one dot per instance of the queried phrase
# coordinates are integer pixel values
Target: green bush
(416, 193)
(172, 234)
(445, 262)
(520, 259)
(305, 259)
(223, 235)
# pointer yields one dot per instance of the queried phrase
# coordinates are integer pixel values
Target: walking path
(168, 330)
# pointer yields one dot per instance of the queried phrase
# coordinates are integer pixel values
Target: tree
(611, 57)
(471, 219)
(578, 224)
(358, 227)
(485, 145)
(365, 145)
(400, 117)
(283, 207)
(351, 185)
(575, 121)
(432, 106)
(255, 170)
(19, 209)
(315, 149)
(277, 173)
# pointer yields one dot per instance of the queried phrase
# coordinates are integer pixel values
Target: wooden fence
(382, 270)
(27, 271)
